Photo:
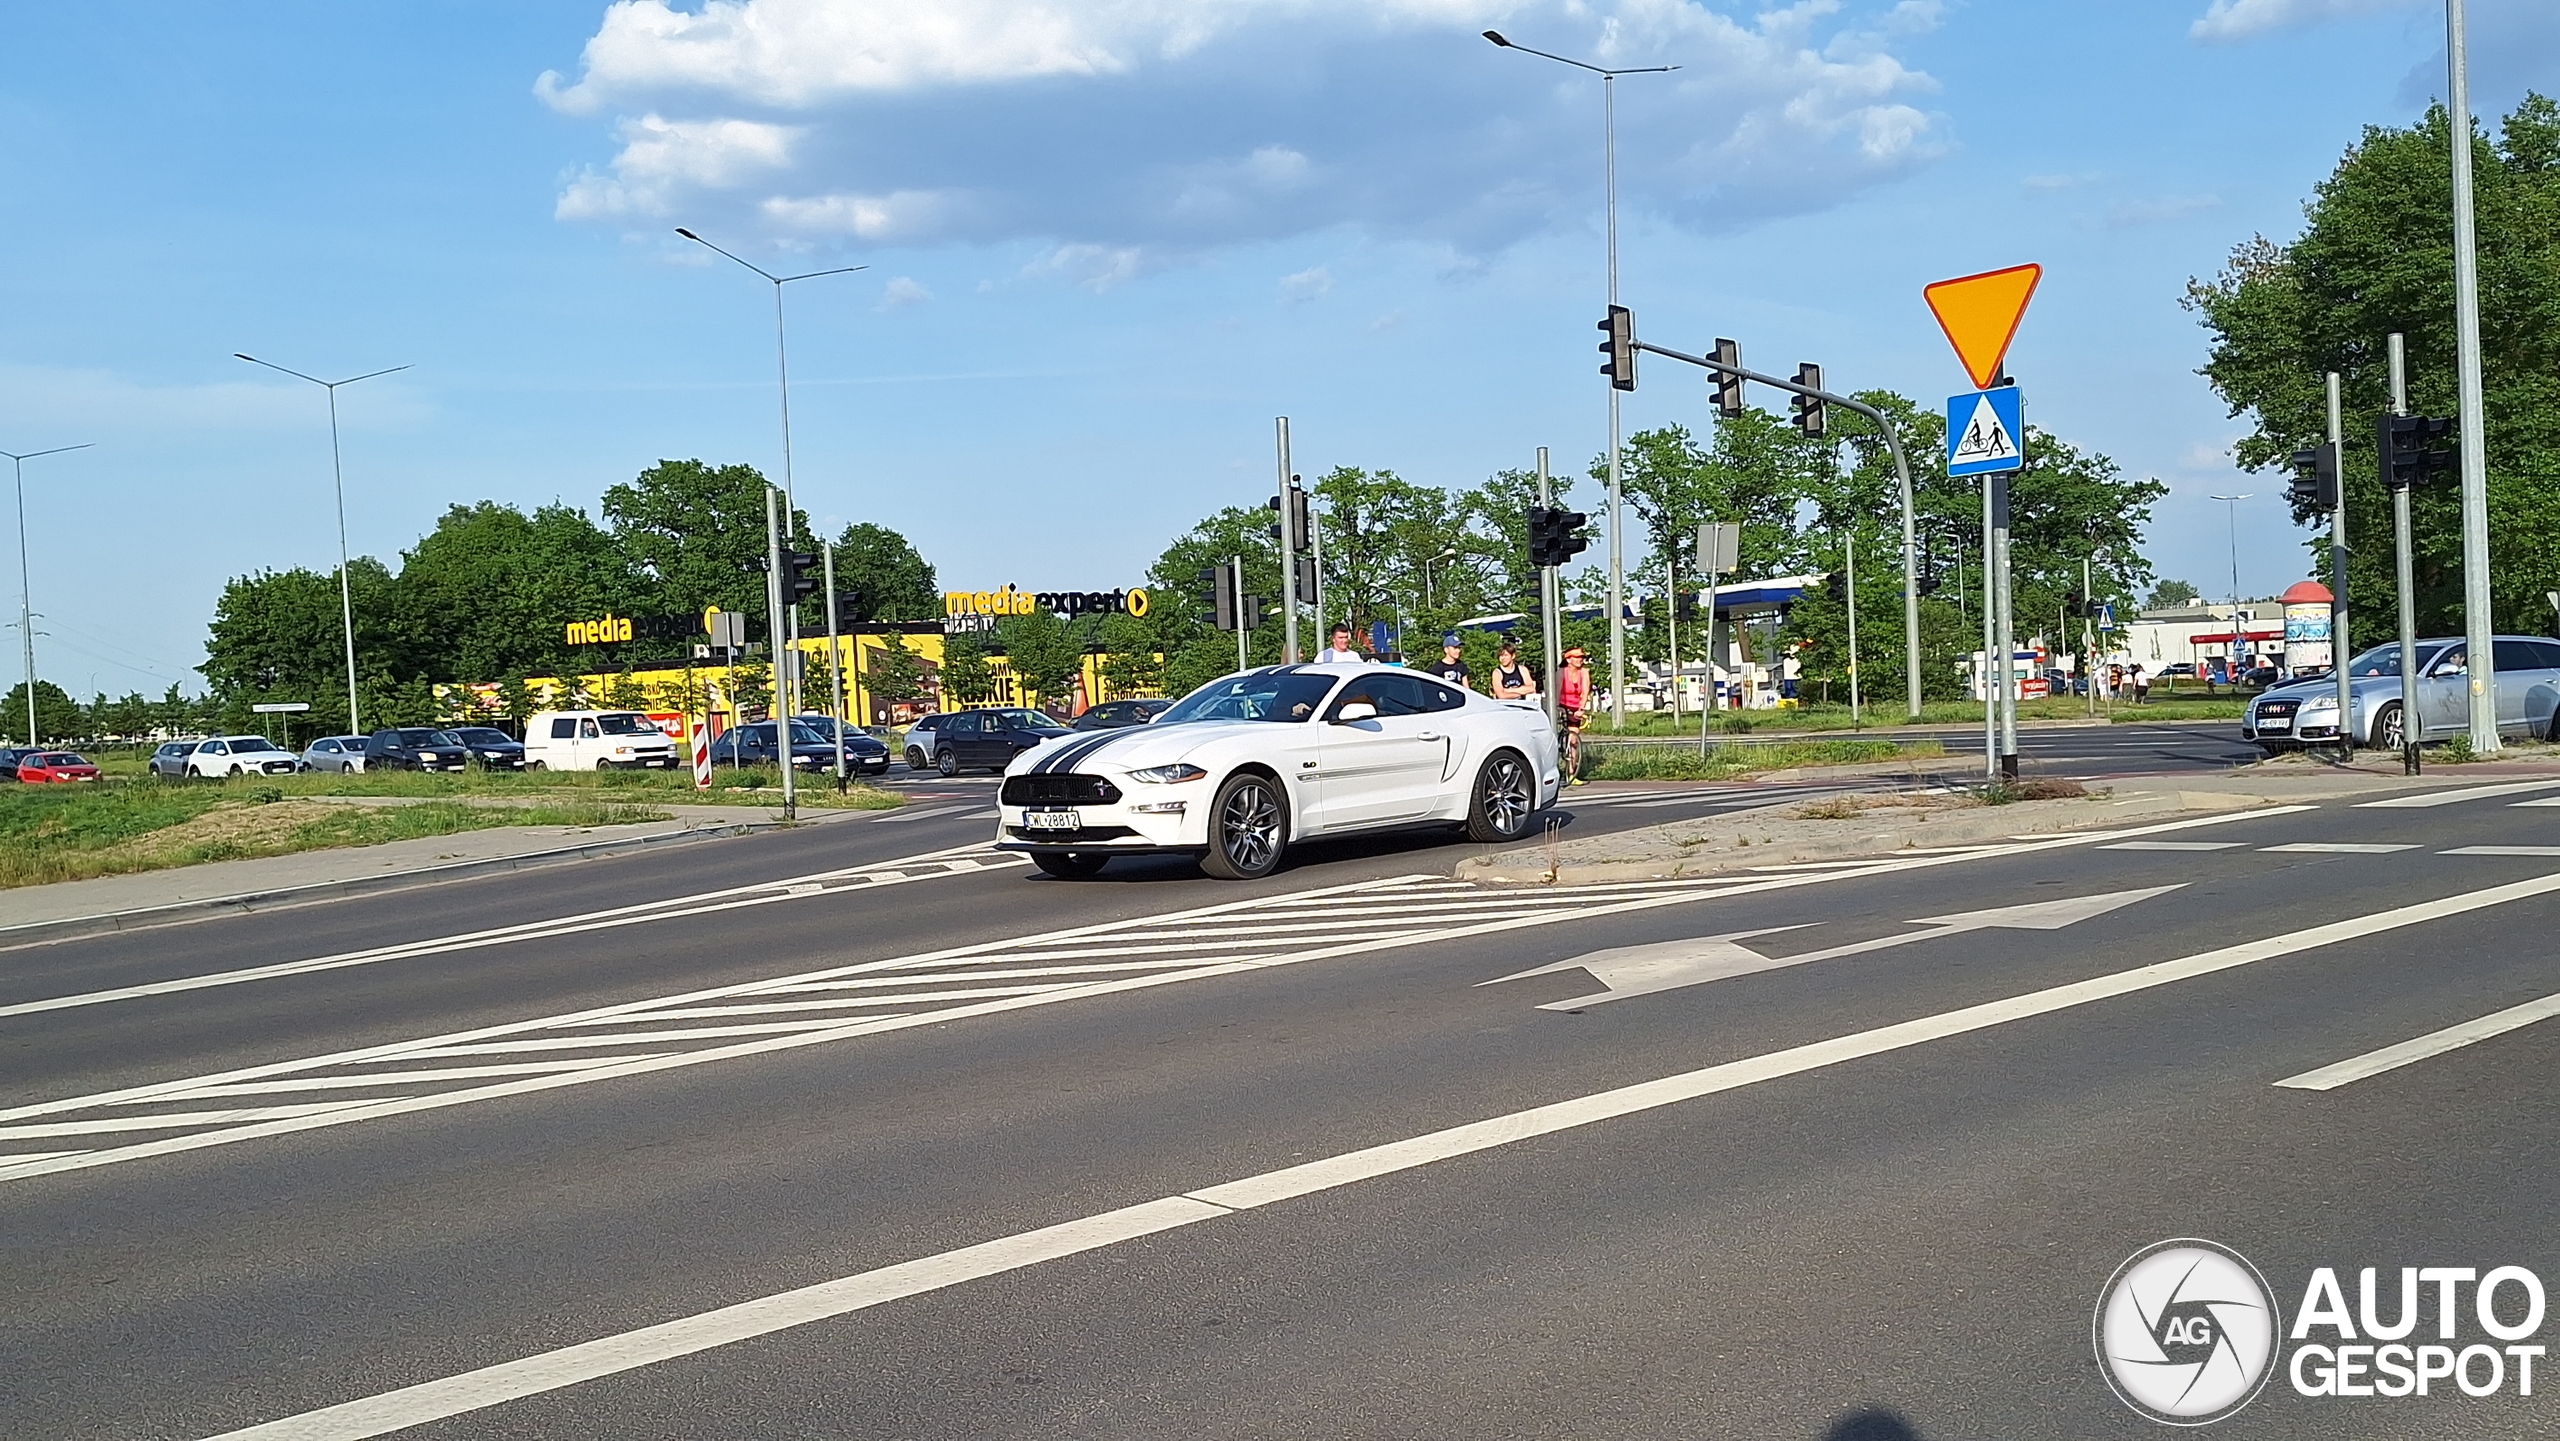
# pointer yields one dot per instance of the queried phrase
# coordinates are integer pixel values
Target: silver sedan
(334, 753)
(2305, 712)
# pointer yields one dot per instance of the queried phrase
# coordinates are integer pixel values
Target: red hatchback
(39, 767)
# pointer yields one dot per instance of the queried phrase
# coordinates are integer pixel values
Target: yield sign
(1980, 315)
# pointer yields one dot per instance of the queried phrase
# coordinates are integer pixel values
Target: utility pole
(774, 633)
(2004, 626)
(1550, 596)
(2339, 649)
(1671, 628)
(2477, 623)
(1235, 579)
(2403, 565)
(835, 661)
(1290, 540)
(2088, 635)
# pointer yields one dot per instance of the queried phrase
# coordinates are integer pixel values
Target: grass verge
(1936, 713)
(754, 785)
(64, 833)
(1679, 763)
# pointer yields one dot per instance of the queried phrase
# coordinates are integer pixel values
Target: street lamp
(1427, 602)
(26, 587)
(782, 372)
(1617, 510)
(338, 478)
(2232, 509)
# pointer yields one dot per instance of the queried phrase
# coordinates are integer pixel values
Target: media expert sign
(611, 629)
(967, 610)
(2187, 1332)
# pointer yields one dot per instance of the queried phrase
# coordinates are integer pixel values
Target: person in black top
(1451, 668)
(1511, 679)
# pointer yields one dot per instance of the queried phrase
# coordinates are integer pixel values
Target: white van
(595, 740)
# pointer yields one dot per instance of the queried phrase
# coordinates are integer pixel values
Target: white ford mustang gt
(1243, 766)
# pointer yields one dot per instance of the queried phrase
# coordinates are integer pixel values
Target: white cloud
(2230, 20)
(901, 292)
(2162, 211)
(1306, 285)
(2048, 183)
(1123, 134)
(663, 158)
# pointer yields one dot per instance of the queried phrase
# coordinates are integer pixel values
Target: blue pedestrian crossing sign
(1986, 431)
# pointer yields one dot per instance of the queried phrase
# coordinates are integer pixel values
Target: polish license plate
(1052, 821)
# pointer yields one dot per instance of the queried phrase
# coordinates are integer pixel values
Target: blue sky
(1107, 242)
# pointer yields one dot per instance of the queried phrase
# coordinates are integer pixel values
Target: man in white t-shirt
(1340, 652)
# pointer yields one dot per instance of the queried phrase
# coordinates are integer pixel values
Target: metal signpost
(835, 662)
(1550, 596)
(773, 645)
(2339, 650)
(288, 709)
(2402, 565)
(1290, 541)
(1719, 544)
(1986, 432)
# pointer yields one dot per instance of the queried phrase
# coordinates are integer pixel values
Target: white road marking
(567, 1366)
(954, 860)
(2173, 846)
(2504, 851)
(2434, 1043)
(1467, 911)
(913, 813)
(2468, 793)
(2343, 848)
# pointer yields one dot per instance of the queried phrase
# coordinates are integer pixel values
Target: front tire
(2390, 733)
(1505, 797)
(1070, 867)
(1248, 829)
(946, 761)
(604, 765)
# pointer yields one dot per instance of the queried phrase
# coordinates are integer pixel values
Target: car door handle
(1429, 736)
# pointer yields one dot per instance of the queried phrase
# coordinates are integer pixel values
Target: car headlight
(1168, 775)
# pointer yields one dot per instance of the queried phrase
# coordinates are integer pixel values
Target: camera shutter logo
(2186, 1332)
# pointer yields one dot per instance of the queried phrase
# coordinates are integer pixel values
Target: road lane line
(2434, 1043)
(572, 1365)
(2342, 848)
(2468, 793)
(2503, 851)
(2174, 846)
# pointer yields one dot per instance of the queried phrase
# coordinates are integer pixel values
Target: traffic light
(852, 607)
(1220, 591)
(2415, 449)
(2314, 487)
(1812, 417)
(1728, 386)
(1620, 347)
(1836, 586)
(2077, 604)
(799, 575)
(1305, 566)
(1555, 535)
(1298, 533)
(1928, 585)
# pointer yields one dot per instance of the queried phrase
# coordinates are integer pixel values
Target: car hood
(1139, 747)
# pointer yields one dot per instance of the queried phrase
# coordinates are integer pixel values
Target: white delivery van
(595, 740)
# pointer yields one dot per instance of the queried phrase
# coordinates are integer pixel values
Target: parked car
(1118, 714)
(9, 760)
(240, 756)
(415, 748)
(47, 767)
(1363, 747)
(990, 738)
(340, 754)
(2306, 711)
(2262, 677)
(754, 745)
(491, 749)
(2180, 669)
(864, 753)
(923, 739)
(169, 762)
(596, 740)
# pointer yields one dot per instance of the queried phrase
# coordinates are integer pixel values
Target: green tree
(697, 533)
(966, 676)
(58, 716)
(1046, 653)
(897, 673)
(625, 692)
(517, 702)
(2375, 256)
(491, 589)
(278, 636)
(2170, 593)
(886, 578)
(1132, 663)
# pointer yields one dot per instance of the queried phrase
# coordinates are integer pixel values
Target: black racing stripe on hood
(1074, 751)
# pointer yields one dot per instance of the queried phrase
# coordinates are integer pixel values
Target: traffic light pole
(2476, 616)
(774, 632)
(1902, 473)
(1290, 540)
(1551, 621)
(2402, 565)
(2339, 649)
(1234, 581)
(835, 662)
(2005, 628)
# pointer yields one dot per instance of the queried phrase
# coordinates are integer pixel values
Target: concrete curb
(36, 933)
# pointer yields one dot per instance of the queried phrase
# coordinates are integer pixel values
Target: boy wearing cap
(1573, 697)
(1452, 667)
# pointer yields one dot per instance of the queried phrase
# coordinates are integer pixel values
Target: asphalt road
(1103, 1159)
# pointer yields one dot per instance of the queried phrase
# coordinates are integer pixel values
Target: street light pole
(1427, 602)
(338, 479)
(26, 585)
(1617, 506)
(2231, 508)
(2477, 621)
(790, 513)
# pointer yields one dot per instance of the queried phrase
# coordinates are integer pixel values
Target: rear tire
(2389, 734)
(1248, 829)
(1070, 867)
(915, 759)
(1504, 798)
(536, 766)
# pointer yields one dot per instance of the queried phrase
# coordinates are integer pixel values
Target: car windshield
(626, 725)
(483, 736)
(2384, 660)
(420, 736)
(1028, 720)
(1261, 696)
(252, 743)
(56, 759)
(809, 735)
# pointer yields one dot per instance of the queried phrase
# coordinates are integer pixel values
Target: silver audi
(2305, 712)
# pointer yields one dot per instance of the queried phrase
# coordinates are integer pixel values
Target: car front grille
(277, 768)
(1088, 836)
(1073, 790)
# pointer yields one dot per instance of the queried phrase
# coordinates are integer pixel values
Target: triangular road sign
(1980, 315)
(1984, 437)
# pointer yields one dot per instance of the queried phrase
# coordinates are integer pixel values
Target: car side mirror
(1358, 710)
